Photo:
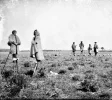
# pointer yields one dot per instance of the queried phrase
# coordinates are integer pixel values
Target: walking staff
(5, 62)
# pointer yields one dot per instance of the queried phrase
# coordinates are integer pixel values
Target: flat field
(60, 75)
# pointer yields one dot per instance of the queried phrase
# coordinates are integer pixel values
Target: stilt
(35, 68)
(15, 65)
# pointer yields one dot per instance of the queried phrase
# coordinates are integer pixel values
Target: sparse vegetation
(27, 64)
(79, 77)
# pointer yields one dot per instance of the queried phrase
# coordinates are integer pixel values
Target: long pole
(6, 61)
(16, 55)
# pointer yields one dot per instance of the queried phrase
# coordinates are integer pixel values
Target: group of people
(35, 51)
(81, 45)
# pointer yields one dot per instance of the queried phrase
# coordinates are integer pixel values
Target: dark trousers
(74, 52)
(95, 51)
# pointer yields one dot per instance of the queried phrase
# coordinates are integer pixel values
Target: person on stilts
(73, 48)
(95, 48)
(14, 43)
(89, 49)
(36, 50)
(81, 45)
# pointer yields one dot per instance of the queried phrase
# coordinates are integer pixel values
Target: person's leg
(73, 53)
(15, 62)
(95, 53)
(14, 57)
(36, 66)
(81, 51)
(90, 52)
(38, 62)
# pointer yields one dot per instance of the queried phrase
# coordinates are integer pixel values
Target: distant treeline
(7, 50)
(43, 50)
(25, 50)
(105, 50)
(4, 50)
(65, 50)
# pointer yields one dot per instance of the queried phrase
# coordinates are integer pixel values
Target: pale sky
(60, 22)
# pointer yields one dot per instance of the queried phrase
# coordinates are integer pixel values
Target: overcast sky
(60, 22)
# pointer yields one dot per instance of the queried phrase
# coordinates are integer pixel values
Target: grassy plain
(62, 75)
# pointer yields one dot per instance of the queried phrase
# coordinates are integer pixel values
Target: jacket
(36, 48)
(13, 48)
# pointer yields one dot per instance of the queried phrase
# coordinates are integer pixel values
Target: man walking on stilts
(14, 43)
(36, 50)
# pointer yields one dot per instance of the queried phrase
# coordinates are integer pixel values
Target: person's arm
(72, 46)
(97, 46)
(32, 50)
(10, 42)
(33, 42)
(19, 42)
(10, 39)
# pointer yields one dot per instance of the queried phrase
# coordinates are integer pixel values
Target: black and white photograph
(56, 49)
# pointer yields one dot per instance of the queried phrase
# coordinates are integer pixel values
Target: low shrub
(76, 78)
(89, 86)
(30, 73)
(18, 80)
(27, 64)
(62, 71)
(70, 68)
(7, 73)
